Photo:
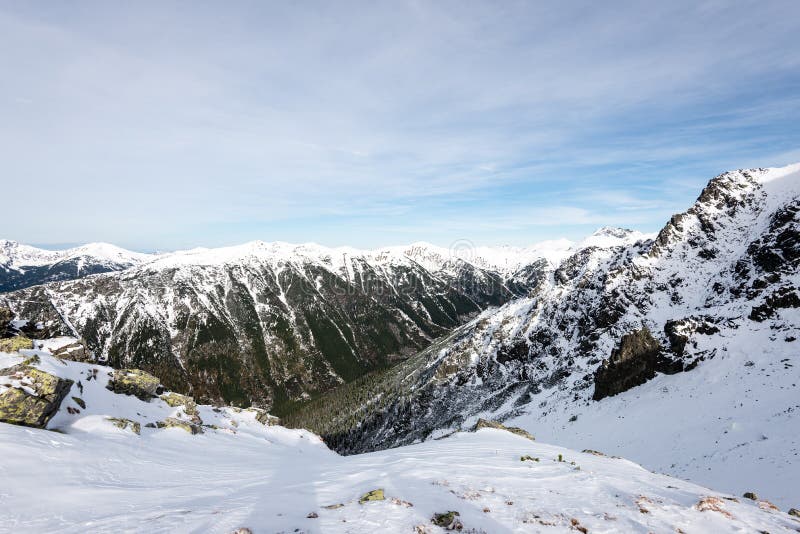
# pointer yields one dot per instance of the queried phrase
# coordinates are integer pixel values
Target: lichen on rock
(447, 520)
(123, 423)
(374, 495)
(263, 417)
(172, 422)
(176, 399)
(35, 397)
(15, 344)
(134, 382)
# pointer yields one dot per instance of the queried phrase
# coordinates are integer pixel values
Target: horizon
(377, 125)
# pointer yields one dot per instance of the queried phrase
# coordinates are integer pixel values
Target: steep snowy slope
(714, 297)
(272, 322)
(95, 476)
(24, 266)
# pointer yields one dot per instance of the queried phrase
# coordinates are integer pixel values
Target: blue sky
(161, 125)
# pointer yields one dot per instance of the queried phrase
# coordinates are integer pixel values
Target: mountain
(272, 323)
(24, 266)
(679, 352)
(177, 466)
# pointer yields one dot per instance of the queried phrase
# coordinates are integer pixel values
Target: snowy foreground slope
(92, 476)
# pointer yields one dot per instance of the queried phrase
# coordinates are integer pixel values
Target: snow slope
(92, 476)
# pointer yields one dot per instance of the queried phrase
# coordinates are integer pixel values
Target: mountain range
(678, 349)
(273, 323)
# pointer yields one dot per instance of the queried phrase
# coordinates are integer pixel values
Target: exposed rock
(784, 297)
(447, 520)
(263, 417)
(794, 512)
(750, 495)
(485, 423)
(75, 352)
(34, 397)
(172, 422)
(15, 344)
(134, 382)
(633, 363)
(374, 495)
(80, 402)
(334, 506)
(176, 399)
(123, 423)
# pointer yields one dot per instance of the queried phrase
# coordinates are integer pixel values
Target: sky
(162, 125)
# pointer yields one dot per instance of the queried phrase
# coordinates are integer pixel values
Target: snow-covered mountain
(680, 352)
(109, 461)
(24, 266)
(273, 322)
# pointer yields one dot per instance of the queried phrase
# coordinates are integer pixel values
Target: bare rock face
(32, 396)
(633, 363)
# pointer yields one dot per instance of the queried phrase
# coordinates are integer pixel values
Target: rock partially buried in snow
(123, 423)
(172, 422)
(134, 382)
(750, 495)
(15, 344)
(794, 512)
(189, 406)
(75, 352)
(33, 396)
(263, 417)
(447, 520)
(485, 423)
(374, 495)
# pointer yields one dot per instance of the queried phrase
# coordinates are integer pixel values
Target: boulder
(134, 382)
(75, 352)
(176, 399)
(33, 398)
(447, 520)
(15, 344)
(123, 423)
(631, 364)
(189, 406)
(263, 417)
(172, 422)
(794, 512)
(486, 423)
(374, 495)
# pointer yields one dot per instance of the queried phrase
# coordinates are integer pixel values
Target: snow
(17, 256)
(503, 259)
(733, 423)
(92, 476)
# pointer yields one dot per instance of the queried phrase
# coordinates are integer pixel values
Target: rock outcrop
(485, 423)
(631, 364)
(172, 422)
(135, 382)
(31, 396)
